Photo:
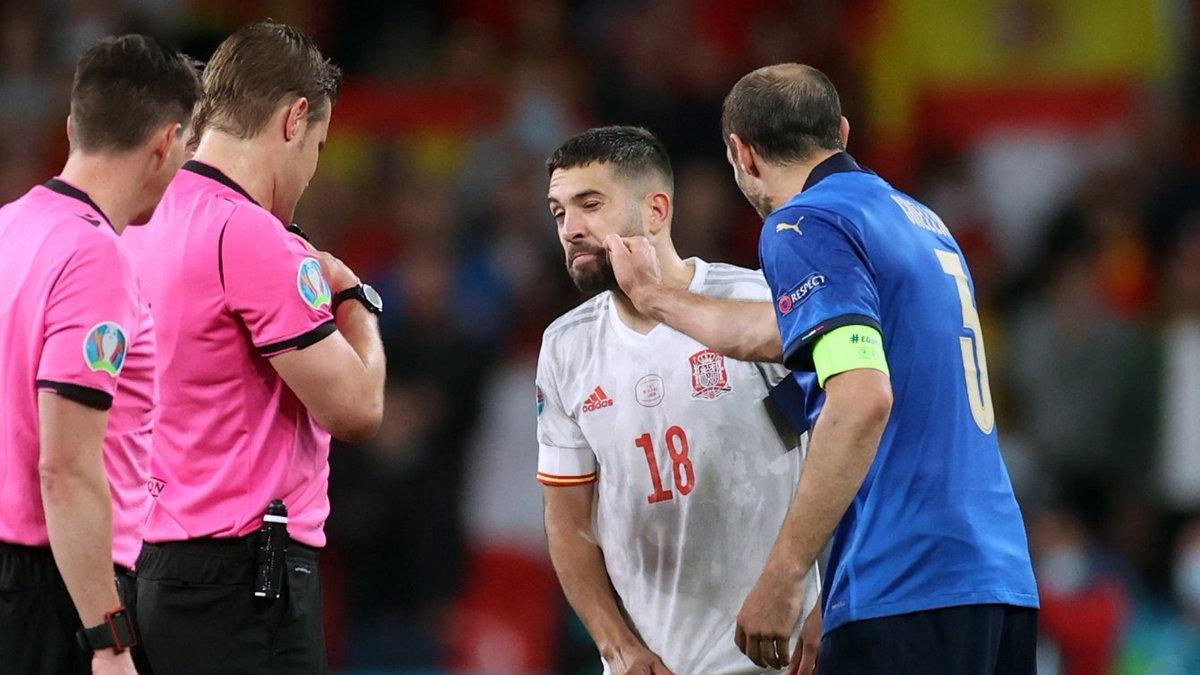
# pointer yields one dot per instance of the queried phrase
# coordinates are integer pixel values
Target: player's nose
(574, 228)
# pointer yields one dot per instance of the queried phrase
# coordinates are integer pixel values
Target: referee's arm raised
(340, 379)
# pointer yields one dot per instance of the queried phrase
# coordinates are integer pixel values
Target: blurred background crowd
(1059, 140)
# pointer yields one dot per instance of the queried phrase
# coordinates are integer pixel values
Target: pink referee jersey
(229, 286)
(76, 324)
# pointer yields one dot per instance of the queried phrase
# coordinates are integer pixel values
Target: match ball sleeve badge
(104, 348)
(312, 285)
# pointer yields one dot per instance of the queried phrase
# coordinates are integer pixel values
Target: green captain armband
(849, 348)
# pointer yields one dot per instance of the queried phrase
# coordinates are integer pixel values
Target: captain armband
(849, 348)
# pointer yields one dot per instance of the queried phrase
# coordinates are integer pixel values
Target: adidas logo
(597, 400)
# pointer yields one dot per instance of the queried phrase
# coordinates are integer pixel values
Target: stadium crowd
(1078, 207)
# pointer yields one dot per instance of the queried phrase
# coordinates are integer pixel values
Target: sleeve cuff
(92, 398)
(798, 354)
(566, 466)
(300, 341)
(563, 481)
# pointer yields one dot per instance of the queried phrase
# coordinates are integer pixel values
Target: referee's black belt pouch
(222, 562)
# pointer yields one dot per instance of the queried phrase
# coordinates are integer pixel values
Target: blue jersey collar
(836, 163)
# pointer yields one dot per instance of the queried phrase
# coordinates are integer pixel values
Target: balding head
(786, 112)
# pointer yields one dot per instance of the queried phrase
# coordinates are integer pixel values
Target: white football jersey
(693, 475)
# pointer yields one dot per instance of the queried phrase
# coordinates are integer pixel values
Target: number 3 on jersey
(681, 464)
(979, 394)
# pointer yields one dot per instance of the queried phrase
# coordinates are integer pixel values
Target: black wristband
(116, 632)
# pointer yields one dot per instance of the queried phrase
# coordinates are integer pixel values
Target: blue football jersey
(935, 523)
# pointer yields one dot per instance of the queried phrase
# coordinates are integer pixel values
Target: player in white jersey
(666, 476)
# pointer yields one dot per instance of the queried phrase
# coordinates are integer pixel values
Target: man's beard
(596, 277)
(759, 200)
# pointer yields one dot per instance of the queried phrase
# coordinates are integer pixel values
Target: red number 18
(681, 465)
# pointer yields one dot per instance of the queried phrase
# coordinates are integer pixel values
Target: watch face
(373, 297)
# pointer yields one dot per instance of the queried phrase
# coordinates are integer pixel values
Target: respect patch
(801, 292)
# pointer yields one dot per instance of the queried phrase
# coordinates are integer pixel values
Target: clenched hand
(636, 267)
(767, 618)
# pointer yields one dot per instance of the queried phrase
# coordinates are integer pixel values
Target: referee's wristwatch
(116, 632)
(363, 293)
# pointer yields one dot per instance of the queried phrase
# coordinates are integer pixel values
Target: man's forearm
(361, 329)
(579, 564)
(77, 502)
(79, 519)
(740, 329)
(840, 452)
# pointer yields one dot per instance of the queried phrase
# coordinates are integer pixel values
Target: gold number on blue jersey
(974, 358)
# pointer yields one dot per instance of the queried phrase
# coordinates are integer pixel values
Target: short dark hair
(785, 112)
(633, 152)
(125, 87)
(258, 68)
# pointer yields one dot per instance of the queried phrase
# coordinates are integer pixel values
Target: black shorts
(966, 640)
(197, 612)
(38, 620)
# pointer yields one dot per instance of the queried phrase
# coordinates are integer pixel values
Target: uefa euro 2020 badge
(312, 285)
(104, 348)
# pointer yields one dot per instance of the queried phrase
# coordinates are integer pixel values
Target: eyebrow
(578, 196)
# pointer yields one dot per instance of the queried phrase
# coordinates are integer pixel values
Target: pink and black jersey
(230, 287)
(75, 324)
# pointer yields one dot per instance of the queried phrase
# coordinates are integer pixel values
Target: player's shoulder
(723, 280)
(846, 199)
(96, 252)
(253, 218)
(82, 234)
(581, 319)
(258, 232)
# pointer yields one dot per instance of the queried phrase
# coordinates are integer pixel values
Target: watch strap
(116, 632)
(358, 293)
(352, 293)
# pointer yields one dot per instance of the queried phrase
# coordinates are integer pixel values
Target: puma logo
(794, 226)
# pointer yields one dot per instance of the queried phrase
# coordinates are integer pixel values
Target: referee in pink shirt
(266, 347)
(77, 385)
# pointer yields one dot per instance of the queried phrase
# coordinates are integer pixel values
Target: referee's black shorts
(38, 620)
(197, 612)
(966, 640)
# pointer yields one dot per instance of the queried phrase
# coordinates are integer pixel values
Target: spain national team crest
(710, 378)
(104, 348)
(313, 287)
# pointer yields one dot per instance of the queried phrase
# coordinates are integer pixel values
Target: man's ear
(659, 220)
(296, 119)
(844, 131)
(744, 155)
(162, 141)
